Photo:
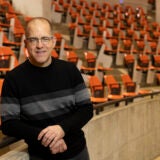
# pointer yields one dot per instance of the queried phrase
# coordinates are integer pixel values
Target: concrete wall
(126, 133)
(34, 8)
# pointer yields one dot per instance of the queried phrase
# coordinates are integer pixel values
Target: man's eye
(45, 39)
(32, 39)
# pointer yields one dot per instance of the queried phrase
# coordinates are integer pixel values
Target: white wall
(33, 8)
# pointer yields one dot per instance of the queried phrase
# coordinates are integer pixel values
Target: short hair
(42, 19)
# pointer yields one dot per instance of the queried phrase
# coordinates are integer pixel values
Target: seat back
(112, 85)
(129, 85)
(143, 61)
(156, 60)
(96, 87)
(90, 59)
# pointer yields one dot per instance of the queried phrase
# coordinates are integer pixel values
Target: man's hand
(59, 147)
(51, 135)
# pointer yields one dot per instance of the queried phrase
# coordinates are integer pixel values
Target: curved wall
(129, 132)
(126, 133)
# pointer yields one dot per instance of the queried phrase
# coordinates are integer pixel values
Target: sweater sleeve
(83, 109)
(12, 125)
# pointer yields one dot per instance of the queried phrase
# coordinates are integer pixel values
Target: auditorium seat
(78, 38)
(114, 88)
(89, 65)
(6, 42)
(16, 29)
(97, 90)
(72, 57)
(8, 60)
(57, 12)
(129, 61)
(90, 59)
(139, 47)
(155, 63)
(8, 7)
(55, 54)
(126, 46)
(129, 86)
(143, 62)
(96, 86)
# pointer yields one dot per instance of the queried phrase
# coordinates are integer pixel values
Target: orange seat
(114, 88)
(55, 54)
(114, 43)
(6, 42)
(128, 59)
(96, 100)
(90, 59)
(156, 60)
(140, 45)
(116, 32)
(153, 46)
(96, 86)
(99, 41)
(143, 62)
(129, 86)
(58, 37)
(97, 90)
(5, 54)
(126, 46)
(72, 57)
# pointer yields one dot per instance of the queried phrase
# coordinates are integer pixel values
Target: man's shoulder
(63, 63)
(18, 69)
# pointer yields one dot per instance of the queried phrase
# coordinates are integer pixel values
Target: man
(45, 101)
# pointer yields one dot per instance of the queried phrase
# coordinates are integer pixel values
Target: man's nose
(39, 43)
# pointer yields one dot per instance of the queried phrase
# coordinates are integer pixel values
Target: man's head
(39, 41)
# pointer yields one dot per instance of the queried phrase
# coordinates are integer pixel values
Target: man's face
(39, 43)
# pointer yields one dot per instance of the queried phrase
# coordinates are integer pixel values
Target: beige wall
(126, 133)
(34, 7)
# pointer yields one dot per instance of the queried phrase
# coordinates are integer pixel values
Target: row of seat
(130, 40)
(141, 62)
(128, 44)
(113, 90)
(62, 50)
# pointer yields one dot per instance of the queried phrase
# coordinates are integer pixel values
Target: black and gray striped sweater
(35, 97)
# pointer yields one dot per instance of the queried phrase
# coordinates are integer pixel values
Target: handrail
(99, 107)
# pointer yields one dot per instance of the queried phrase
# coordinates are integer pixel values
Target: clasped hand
(52, 137)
